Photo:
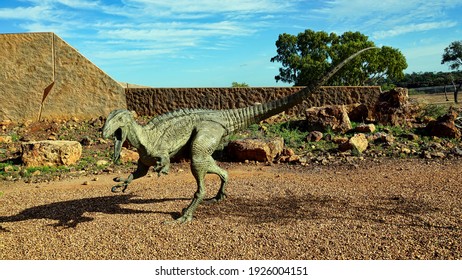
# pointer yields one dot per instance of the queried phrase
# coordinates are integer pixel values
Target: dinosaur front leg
(140, 171)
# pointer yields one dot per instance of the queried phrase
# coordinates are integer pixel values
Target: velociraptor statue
(200, 130)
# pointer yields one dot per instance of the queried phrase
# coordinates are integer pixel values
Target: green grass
(28, 172)
(293, 137)
(8, 165)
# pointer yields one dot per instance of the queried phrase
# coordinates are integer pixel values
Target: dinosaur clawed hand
(123, 185)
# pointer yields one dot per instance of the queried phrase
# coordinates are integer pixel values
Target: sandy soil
(391, 209)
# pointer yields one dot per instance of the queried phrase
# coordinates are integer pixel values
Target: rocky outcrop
(50, 153)
(255, 149)
(444, 126)
(393, 107)
(326, 118)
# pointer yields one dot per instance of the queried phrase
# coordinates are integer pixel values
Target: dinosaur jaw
(119, 138)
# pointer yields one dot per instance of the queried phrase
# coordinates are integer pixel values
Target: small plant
(7, 167)
(15, 137)
(44, 170)
(322, 145)
(433, 110)
(293, 137)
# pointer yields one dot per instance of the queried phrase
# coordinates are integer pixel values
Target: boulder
(340, 140)
(365, 128)
(6, 139)
(288, 155)
(50, 153)
(328, 117)
(127, 155)
(314, 136)
(359, 112)
(263, 150)
(444, 126)
(383, 138)
(357, 143)
(394, 108)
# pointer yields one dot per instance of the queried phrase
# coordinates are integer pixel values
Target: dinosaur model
(199, 132)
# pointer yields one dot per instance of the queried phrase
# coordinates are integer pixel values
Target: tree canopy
(237, 85)
(453, 55)
(311, 54)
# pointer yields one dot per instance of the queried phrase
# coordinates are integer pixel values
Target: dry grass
(436, 99)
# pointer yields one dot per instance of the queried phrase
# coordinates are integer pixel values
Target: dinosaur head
(117, 126)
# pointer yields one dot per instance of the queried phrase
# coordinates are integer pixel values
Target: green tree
(236, 84)
(310, 54)
(453, 56)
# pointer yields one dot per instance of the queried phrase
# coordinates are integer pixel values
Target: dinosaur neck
(135, 134)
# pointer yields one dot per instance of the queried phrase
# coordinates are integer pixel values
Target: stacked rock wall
(156, 101)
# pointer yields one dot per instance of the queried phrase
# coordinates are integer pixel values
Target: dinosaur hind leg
(215, 169)
(205, 141)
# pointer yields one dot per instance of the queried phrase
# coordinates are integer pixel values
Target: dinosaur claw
(115, 188)
(219, 197)
(180, 220)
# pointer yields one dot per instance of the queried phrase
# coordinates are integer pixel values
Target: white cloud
(400, 30)
(180, 7)
(390, 17)
(21, 13)
(207, 24)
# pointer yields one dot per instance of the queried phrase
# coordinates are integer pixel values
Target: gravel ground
(390, 209)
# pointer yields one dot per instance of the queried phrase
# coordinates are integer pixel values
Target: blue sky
(209, 43)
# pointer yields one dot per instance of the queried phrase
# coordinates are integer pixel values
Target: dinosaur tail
(243, 117)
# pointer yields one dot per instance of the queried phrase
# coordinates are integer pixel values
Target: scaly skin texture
(198, 131)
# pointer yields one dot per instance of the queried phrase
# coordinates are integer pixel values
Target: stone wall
(156, 101)
(42, 77)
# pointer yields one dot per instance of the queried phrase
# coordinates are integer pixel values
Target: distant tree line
(429, 79)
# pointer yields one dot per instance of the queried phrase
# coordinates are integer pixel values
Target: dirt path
(401, 209)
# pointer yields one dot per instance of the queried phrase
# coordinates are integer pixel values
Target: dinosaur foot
(181, 220)
(116, 188)
(219, 197)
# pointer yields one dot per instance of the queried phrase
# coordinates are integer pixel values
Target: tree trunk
(456, 91)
